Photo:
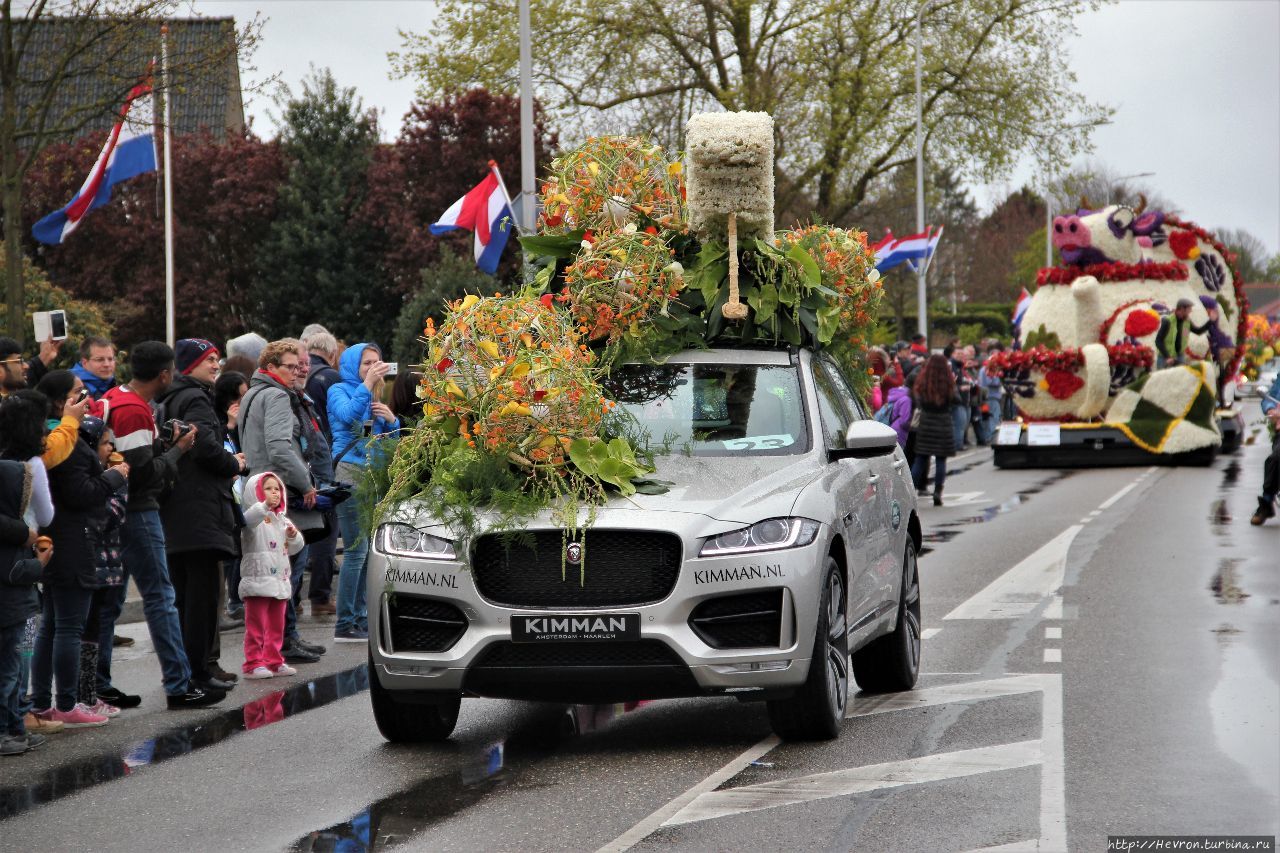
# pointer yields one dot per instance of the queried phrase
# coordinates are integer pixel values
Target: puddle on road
(76, 776)
(1219, 517)
(1244, 707)
(1225, 584)
(401, 816)
(1230, 475)
(989, 513)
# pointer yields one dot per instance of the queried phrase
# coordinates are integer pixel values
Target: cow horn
(1142, 204)
(1084, 203)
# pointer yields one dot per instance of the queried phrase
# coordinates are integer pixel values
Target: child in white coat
(266, 541)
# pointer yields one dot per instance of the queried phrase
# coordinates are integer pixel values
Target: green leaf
(764, 302)
(828, 323)
(790, 331)
(553, 245)
(652, 487)
(619, 449)
(580, 455)
(808, 266)
(809, 320)
(599, 452)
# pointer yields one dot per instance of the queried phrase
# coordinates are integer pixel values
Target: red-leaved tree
(441, 153)
(224, 196)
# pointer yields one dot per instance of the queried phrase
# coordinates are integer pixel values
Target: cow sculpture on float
(1090, 330)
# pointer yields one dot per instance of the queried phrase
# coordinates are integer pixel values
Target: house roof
(1261, 294)
(205, 73)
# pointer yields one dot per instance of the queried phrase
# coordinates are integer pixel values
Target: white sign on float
(1044, 435)
(1009, 433)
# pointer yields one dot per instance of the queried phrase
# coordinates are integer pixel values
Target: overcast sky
(1195, 84)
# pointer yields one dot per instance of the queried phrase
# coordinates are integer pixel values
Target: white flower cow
(1095, 308)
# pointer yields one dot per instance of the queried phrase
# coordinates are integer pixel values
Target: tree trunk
(14, 293)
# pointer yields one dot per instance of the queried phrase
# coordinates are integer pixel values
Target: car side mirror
(865, 440)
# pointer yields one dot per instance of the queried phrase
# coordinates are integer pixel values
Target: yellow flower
(674, 169)
(489, 348)
(468, 301)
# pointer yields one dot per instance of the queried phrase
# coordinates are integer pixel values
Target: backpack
(884, 414)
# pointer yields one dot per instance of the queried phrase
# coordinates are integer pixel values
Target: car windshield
(713, 409)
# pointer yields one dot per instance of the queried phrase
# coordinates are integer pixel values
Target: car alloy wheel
(837, 644)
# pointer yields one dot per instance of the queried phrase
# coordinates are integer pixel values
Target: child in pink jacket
(266, 541)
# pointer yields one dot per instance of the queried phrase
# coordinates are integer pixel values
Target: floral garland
(1068, 360)
(607, 182)
(1113, 272)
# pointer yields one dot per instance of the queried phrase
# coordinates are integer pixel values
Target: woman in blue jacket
(356, 415)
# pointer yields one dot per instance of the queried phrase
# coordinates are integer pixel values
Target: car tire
(816, 710)
(892, 662)
(411, 722)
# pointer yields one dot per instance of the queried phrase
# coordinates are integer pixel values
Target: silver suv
(783, 556)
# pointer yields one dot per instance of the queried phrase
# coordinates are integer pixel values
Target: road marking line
(929, 633)
(1054, 610)
(1053, 783)
(1111, 501)
(650, 824)
(1020, 590)
(1053, 633)
(966, 691)
(1053, 655)
(965, 499)
(857, 780)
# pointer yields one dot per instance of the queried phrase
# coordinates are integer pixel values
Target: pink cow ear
(1144, 242)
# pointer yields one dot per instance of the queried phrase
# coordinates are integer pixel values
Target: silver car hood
(733, 490)
(741, 489)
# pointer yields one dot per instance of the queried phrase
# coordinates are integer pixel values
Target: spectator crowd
(214, 481)
(938, 404)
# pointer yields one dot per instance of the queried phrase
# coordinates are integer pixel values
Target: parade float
(1085, 376)
(637, 257)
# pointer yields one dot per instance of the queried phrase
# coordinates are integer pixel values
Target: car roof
(735, 355)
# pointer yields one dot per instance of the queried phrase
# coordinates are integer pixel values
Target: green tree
(84, 318)
(451, 277)
(837, 76)
(1027, 261)
(314, 264)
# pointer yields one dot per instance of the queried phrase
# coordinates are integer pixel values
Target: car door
(848, 482)
(886, 524)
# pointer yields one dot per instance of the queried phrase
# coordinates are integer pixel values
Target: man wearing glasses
(17, 373)
(97, 366)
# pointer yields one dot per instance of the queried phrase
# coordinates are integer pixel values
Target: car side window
(843, 390)
(835, 419)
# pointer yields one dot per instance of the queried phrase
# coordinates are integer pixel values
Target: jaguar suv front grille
(619, 568)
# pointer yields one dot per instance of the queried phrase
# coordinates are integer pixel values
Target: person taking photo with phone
(357, 416)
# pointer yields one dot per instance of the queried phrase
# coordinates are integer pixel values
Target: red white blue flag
(130, 151)
(1020, 308)
(483, 211)
(913, 247)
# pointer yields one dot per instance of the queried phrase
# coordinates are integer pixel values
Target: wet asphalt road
(1143, 698)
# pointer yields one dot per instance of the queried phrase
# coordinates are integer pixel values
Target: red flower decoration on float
(1172, 271)
(1061, 384)
(1183, 244)
(1141, 323)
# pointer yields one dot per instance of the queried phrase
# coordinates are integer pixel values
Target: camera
(167, 434)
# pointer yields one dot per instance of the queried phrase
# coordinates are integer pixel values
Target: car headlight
(406, 541)
(772, 534)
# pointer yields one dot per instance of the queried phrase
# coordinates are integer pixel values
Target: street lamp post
(922, 320)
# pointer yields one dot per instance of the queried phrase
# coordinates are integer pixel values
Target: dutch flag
(913, 247)
(130, 151)
(485, 212)
(1020, 308)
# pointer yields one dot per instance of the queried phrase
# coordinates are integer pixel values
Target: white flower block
(1076, 312)
(729, 169)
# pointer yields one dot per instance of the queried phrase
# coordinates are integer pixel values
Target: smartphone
(366, 429)
(84, 392)
(50, 324)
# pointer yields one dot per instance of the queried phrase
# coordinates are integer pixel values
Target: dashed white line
(929, 633)
(1053, 633)
(1053, 655)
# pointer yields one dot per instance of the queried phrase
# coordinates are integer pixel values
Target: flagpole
(493, 164)
(169, 330)
(527, 177)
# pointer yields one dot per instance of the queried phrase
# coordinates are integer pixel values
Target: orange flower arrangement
(510, 375)
(609, 181)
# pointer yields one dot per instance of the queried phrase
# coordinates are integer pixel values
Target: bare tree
(66, 66)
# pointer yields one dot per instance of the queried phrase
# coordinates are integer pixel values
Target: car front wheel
(402, 721)
(816, 710)
(892, 662)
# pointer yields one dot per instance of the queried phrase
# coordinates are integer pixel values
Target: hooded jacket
(900, 398)
(264, 544)
(270, 433)
(350, 405)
